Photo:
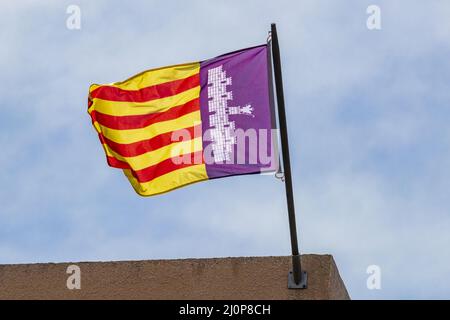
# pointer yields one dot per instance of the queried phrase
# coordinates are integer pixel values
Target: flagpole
(297, 279)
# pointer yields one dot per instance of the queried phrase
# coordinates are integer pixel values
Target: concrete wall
(219, 278)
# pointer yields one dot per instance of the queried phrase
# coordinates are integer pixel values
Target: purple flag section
(237, 114)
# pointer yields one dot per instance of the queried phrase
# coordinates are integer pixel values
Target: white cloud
(359, 104)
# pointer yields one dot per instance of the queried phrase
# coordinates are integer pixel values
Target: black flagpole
(297, 279)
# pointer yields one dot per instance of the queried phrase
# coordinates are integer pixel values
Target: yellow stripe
(97, 127)
(135, 135)
(122, 108)
(168, 181)
(155, 76)
(154, 157)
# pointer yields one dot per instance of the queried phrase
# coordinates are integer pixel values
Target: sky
(367, 113)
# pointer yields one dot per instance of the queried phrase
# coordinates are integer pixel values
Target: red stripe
(141, 147)
(141, 121)
(113, 162)
(166, 166)
(159, 169)
(158, 91)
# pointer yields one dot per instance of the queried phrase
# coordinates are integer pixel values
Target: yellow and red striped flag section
(157, 125)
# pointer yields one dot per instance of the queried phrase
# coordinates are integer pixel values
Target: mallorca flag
(173, 126)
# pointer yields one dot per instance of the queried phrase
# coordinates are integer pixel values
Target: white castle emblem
(221, 127)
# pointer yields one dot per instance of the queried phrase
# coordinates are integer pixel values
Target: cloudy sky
(367, 110)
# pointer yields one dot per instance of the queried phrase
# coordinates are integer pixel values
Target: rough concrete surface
(217, 278)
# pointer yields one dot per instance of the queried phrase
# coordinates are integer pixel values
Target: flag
(173, 126)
